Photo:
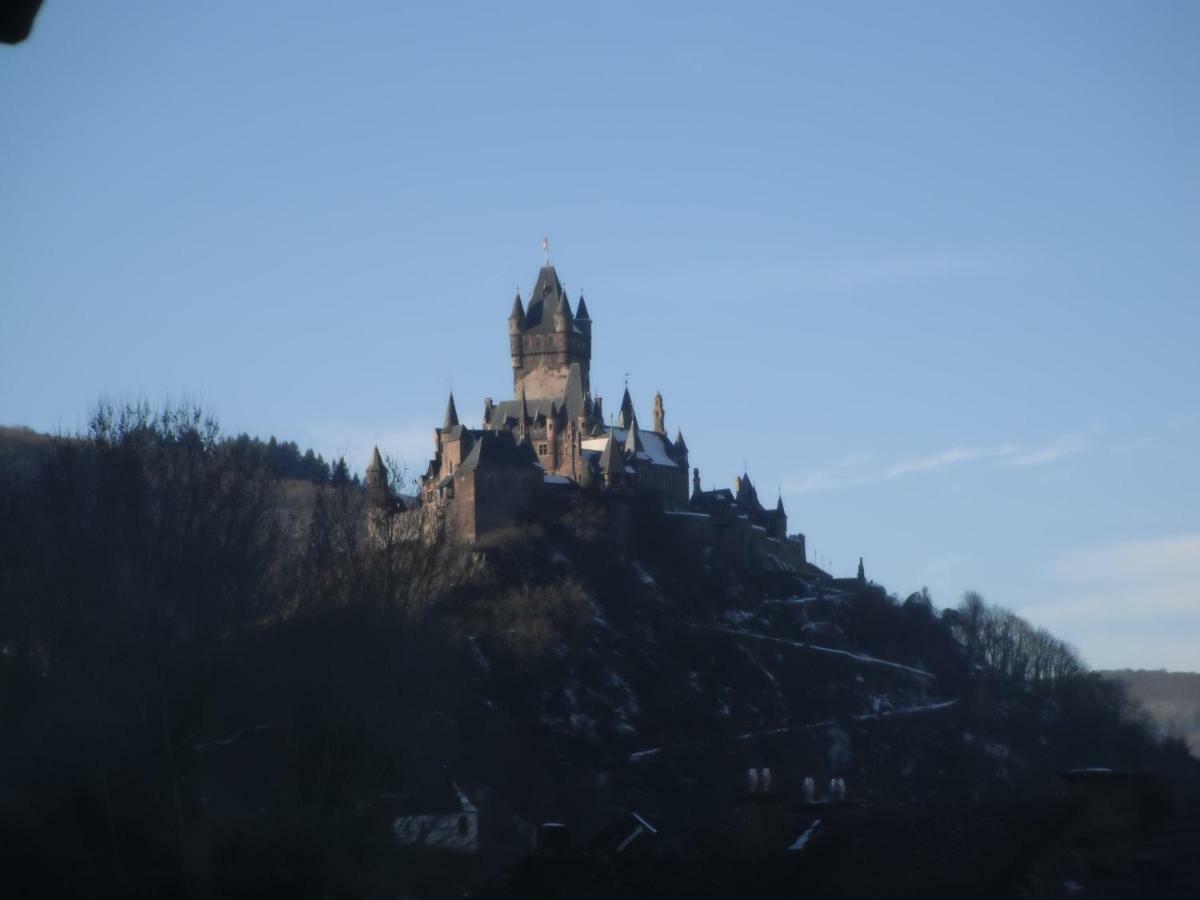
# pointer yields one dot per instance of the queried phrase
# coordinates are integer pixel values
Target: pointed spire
(680, 443)
(779, 503)
(612, 463)
(862, 573)
(581, 311)
(451, 414)
(625, 416)
(518, 310)
(633, 440)
(377, 480)
(573, 396)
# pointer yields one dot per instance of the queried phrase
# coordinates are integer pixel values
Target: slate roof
(654, 446)
(451, 415)
(498, 450)
(625, 414)
(376, 464)
(612, 460)
(573, 400)
(545, 300)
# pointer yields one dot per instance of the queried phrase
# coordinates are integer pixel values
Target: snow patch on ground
(645, 577)
(871, 660)
(639, 755)
(804, 838)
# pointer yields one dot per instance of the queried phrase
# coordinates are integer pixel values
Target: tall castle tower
(546, 338)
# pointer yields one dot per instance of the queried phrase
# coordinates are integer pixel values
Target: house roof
(498, 450)
(655, 447)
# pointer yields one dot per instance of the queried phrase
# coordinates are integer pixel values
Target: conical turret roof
(625, 416)
(633, 439)
(612, 461)
(451, 415)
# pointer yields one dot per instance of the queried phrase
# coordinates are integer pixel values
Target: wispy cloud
(1067, 445)
(855, 470)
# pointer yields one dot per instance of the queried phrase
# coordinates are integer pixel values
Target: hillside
(1171, 699)
(222, 680)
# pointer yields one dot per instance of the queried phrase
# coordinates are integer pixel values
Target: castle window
(543, 449)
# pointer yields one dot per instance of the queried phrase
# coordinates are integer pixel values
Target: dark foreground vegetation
(218, 667)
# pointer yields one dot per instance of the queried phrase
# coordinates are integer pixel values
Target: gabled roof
(497, 450)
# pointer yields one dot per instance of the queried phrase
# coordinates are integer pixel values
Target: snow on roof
(555, 479)
(654, 447)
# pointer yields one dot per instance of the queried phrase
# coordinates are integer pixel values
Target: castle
(551, 442)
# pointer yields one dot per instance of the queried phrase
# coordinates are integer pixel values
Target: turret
(695, 482)
(451, 415)
(377, 478)
(660, 415)
(516, 319)
(862, 573)
(583, 321)
(612, 463)
(625, 416)
(681, 449)
(633, 440)
(516, 324)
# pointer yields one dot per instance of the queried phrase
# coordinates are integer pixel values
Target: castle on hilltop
(551, 442)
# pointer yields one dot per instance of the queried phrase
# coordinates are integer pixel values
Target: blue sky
(932, 270)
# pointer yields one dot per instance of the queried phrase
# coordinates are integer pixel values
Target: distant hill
(1172, 699)
(20, 450)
